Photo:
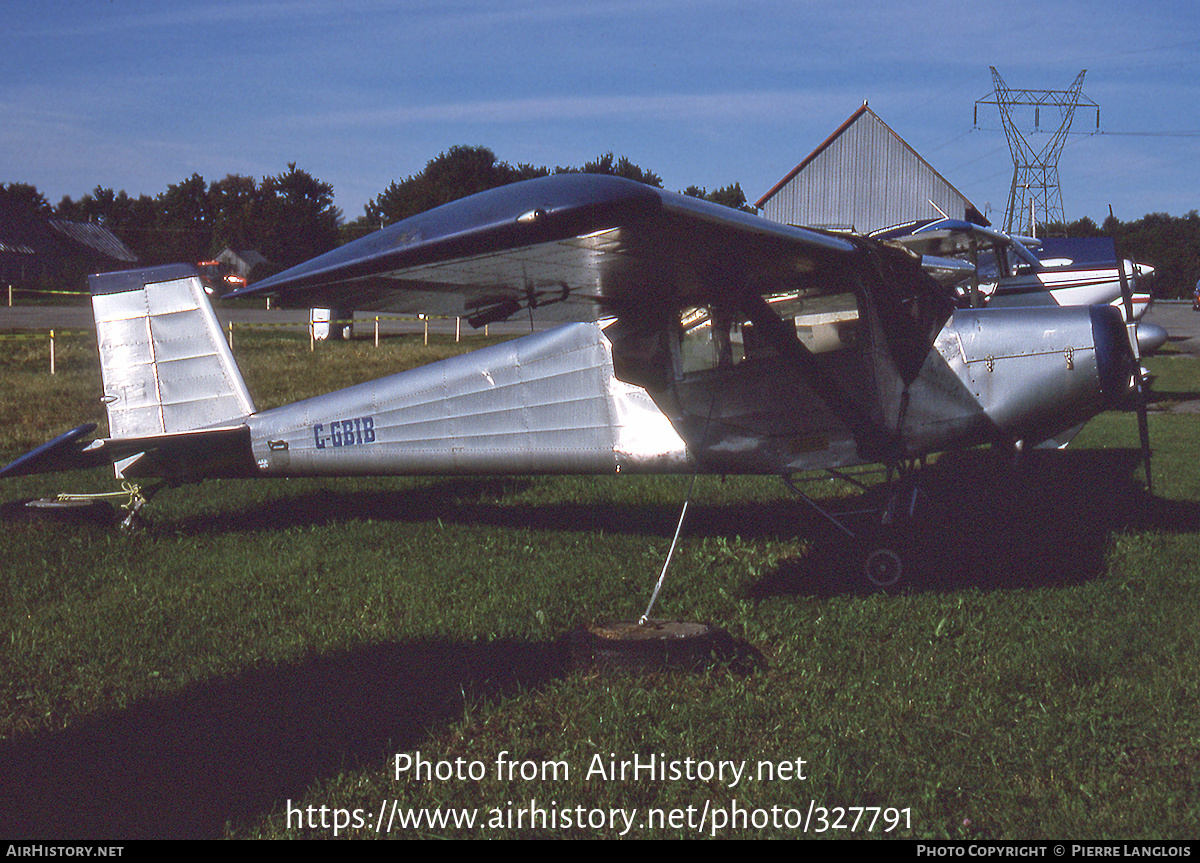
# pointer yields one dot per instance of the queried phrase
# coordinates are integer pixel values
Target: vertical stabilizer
(165, 365)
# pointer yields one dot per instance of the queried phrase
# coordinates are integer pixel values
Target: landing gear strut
(879, 551)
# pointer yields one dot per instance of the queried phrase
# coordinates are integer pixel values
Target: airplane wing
(565, 247)
(952, 238)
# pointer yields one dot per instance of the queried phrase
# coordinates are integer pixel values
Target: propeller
(1139, 381)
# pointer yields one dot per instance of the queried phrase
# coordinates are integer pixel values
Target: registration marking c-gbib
(351, 432)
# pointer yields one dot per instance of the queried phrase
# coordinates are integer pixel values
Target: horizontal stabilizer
(215, 452)
(199, 454)
(65, 452)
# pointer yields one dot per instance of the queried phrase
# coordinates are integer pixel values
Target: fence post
(457, 329)
(52, 352)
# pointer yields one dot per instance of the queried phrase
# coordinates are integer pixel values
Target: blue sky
(137, 94)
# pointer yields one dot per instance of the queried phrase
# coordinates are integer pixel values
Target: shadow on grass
(982, 525)
(184, 765)
(979, 523)
(230, 750)
(1159, 397)
(484, 501)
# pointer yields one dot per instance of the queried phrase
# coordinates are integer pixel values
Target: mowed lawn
(389, 657)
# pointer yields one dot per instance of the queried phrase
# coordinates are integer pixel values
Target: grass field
(260, 660)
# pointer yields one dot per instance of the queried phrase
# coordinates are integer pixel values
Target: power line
(945, 144)
(976, 159)
(1035, 170)
(1179, 134)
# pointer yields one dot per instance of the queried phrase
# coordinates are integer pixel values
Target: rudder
(165, 364)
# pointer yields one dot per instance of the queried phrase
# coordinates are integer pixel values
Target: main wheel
(883, 568)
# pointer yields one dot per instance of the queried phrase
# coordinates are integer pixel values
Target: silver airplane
(695, 339)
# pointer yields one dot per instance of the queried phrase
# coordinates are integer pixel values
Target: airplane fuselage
(553, 403)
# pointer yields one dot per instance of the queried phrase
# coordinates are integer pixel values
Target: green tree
(453, 174)
(727, 196)
(182, 229)
(236, 203)
(621, 167)
(299, 220)
(289, 217)
(25, 196)
(1170, 244)
(1084, 227)
(462, 171)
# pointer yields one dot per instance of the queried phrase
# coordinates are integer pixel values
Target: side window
(708, 339)
(715, 337)
(911, 308)
(829, 323)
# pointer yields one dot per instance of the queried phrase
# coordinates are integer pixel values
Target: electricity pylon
(1035, 187)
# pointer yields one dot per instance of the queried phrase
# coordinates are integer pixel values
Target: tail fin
(165, 365)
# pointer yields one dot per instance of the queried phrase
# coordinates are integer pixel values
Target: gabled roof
(35, 238)
(250, 257)
(854, 118)
(23, 232)
(95, 238)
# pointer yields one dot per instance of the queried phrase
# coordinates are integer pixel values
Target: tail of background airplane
(165, 365)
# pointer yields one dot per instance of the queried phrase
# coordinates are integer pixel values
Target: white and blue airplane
(1002, 270)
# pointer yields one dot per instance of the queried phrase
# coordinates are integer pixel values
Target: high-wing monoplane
(695, 339)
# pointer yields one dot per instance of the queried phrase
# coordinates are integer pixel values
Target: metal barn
(864, 177)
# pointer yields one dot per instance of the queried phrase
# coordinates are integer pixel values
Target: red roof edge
(973, 213)
(796, 170)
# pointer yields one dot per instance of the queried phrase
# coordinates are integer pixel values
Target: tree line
(291, 217)
(1171, 244)
(462, 171)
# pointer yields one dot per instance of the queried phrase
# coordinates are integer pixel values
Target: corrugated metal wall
(865, 178)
